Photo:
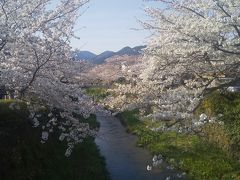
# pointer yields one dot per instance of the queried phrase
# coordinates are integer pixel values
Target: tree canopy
(35, 63)
(194, 49)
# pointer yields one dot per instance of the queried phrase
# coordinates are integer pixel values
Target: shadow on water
(125, 160)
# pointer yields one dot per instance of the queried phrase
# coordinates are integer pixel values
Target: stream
(124, 159)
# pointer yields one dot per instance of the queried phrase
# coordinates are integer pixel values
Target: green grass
(191, 154)
(227, 104)
(97, 93)
(23, 157)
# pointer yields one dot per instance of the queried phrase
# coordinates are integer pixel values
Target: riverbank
(24, 157)
(197, 157)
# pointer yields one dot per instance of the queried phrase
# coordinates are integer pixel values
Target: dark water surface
(124, 160)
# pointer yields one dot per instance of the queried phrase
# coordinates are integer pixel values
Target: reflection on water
(125, 160)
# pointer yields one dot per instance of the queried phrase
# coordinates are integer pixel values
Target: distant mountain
(130, 51)
(139, 48)
(99, 59)
(83, 55)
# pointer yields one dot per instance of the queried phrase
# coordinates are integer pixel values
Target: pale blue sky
(108, 24)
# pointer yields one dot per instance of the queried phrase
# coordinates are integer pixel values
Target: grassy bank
(98, 93)
(24, 157)
(196, 156)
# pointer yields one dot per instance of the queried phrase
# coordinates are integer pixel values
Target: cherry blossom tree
(35, 62)
(194, 50)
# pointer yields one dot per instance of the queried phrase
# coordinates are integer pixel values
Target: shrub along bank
(226, 107)
(24, 157)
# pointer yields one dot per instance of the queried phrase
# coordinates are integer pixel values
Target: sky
(111, 25)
